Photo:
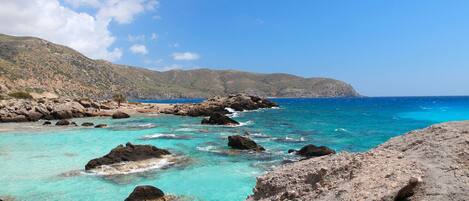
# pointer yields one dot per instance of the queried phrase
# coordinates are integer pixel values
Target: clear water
(38, 163)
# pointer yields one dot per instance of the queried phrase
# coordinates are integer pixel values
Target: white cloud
(50, 20)
(187, 56)
(139, 49)
(136, 38)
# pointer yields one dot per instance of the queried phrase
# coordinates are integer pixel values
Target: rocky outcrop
(314, 151)
(126, 153)
(120, 115)
(219, 119)
(20, 110)
(87, 124)
(146, 193)
(219, 104)
(243, 143)
(428, 164)
(62, 122)
(101, 126)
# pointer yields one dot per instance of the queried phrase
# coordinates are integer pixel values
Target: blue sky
(382, 48)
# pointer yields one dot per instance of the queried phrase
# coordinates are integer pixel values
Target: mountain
(35, 65)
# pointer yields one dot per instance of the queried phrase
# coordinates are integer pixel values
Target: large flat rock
(427, 164)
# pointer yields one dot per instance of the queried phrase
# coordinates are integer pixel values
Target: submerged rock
(62, 122)
(243, 143)
(87, 124)
(120, 115)
(146, 193)
(314, 151)
(126, 153)
(219, 119)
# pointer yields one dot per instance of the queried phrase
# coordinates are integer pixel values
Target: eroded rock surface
(127, 153)
(218, 104)
(219, 119)
(146, 193)
(243, 143)
(428, 164)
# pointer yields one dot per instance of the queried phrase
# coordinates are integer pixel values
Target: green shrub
(20, 95)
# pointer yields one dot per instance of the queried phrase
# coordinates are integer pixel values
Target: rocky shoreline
(30, 110)
(427, 164)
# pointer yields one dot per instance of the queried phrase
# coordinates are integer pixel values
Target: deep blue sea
(47, 163)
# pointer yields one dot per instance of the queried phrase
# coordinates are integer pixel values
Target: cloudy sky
(383, 48)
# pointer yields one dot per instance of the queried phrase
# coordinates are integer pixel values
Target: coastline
(425, 164)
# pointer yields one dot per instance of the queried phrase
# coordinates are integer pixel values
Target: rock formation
(243, 143)
(146, 193)
(126, 153)
(428, 164)
(314, 151)
(218, 104)
(120, 115)
(219, 119)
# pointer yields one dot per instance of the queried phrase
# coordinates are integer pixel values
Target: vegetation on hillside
(32, 63)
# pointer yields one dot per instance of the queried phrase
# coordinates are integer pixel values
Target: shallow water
(46, 163)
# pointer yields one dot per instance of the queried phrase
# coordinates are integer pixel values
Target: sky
(382, 48)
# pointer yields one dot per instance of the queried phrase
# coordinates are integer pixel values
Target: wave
(165, 136)
(342, 130)
(291, 140)
(134, 166)
(184, 129)
(243, 123)
(258, 135)
(233, 113)
(209, 148)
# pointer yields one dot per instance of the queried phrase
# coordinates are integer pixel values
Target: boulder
(47, 123)
(120, 115)
(219, 119)
(314, 151)
(146, 193)
(129, 152)
(101, 126)
(243, 143)
(62, 122)
(87, 124)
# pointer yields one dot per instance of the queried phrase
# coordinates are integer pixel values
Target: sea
(47, 162)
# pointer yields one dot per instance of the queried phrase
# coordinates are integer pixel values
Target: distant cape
(35, 65)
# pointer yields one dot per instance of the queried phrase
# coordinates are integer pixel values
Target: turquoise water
(40, 163)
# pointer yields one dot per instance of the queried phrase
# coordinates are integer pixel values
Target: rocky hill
(35, 65)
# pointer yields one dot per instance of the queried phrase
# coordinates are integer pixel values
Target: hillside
(35, 65)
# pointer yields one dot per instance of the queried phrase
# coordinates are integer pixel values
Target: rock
(129, 152)
(33, 116)
(85, 103)
(408, 190)
(47, 123)
(120, 115)
(101, 126)
(62, 122)
(87, 124)
(438, 155)
(243, 143)
(314, 151)
(74, 123)
(146, 193)
(219, 119)
(217, 104)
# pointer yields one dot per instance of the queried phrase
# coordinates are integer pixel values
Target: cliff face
(35, 65)
(428, 164)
